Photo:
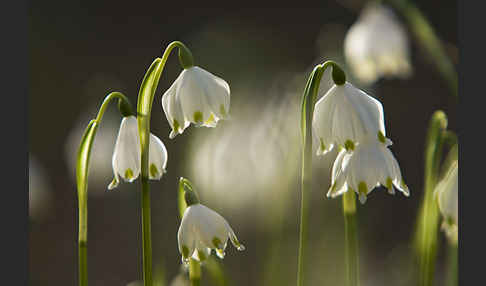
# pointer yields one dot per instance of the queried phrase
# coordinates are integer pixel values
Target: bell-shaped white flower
(126, 157)
(196, 96)
(447, 194)
(344, 116)
(157, 158)
(369, 165)
(202, 230)
(377, 45)
(127, 154)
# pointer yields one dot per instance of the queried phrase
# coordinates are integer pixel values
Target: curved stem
(428, 39)
(307, 112)
(427, 221)
(82, 167)
(144, 109)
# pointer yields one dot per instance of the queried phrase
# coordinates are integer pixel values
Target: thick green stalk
(427, 222)
(307, 111)
(428, 39)
(144, 109)
(194, 272)
(452, 269)
(82, 169)
(351, 238)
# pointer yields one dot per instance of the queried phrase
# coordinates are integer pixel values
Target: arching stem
(307, 111)
(82, 169)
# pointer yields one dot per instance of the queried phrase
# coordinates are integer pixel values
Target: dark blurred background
(247, 168)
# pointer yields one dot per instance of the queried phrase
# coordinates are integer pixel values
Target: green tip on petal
(322, 145)
(362, 190)
(222, 110)
(389, 183)
(176, 125)
(217, 243)
(185, 251)
(129, 174)
(198, 116)
(381, 137)
(210, 120)
(349, 145)
(154, 172)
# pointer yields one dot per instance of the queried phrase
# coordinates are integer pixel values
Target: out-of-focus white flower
(127, 154)
(346, 115)
(447, 194)
(201, 230)
(369, 165)
(196, 96)
(377, 45)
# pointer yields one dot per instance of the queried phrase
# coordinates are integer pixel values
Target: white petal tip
(241, 247)
(172, 134)
(113, 185)
(362, 199)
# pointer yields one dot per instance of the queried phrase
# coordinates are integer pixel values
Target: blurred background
(247, 168)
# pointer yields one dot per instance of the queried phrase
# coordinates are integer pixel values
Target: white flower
(196, 96)
(157, 158)
(377, 45)
(126, 157)
(127, 154)
(346, 115)
(369, 165)
(201, 230)
(447, 194)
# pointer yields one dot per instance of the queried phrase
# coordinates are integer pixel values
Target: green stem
(144, 109)
(428, 39)
(82, 168)
(427, 225)
(452, 278)
(351, 238)
(194, 272)
(307, 111)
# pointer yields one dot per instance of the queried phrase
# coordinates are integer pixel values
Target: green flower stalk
(352, 121)
(427, 221)
(144, 108)
(307, 110)
(82, 171)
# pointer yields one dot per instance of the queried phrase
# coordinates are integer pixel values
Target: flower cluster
(202, 230)
(198, 97)
(349, 118)
(127, 154)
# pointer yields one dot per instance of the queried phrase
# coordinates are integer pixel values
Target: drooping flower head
(127, 154)
(447, 191)
(377, 45)
(202, 230)
(196, 96)
(369, 165)
(346, 115)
